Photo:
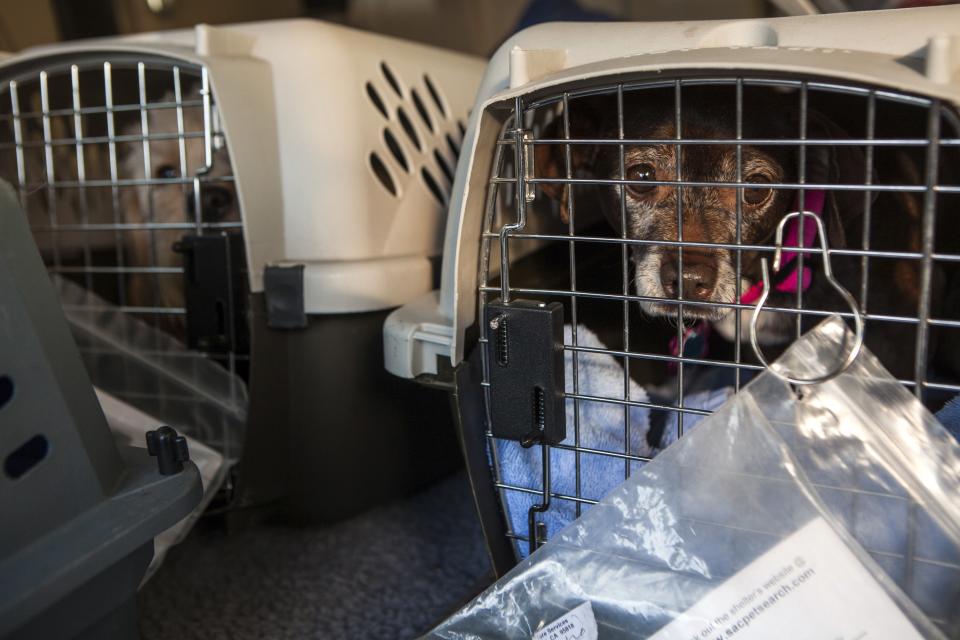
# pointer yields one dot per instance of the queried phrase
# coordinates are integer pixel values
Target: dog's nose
(216, 203)
(699, 276)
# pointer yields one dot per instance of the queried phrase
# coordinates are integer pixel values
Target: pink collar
(695, 338)
(788, 280)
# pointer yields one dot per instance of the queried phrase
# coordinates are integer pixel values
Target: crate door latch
(525, 356)
(215, 291)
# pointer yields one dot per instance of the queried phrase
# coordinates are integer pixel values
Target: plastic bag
(155, 373)
(831, 515)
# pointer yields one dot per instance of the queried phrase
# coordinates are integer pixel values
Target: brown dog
(653, 212)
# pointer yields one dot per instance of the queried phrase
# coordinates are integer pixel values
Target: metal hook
(828, 272)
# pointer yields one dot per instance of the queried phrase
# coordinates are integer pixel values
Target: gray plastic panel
(79, 516)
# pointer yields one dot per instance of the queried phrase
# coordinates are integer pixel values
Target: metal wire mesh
(114, 159)
(581, 227)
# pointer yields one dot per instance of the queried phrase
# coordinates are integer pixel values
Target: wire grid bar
(112, 156)
(510, 230)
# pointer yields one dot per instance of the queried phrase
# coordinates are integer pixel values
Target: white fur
(647, 273)
(772, 328)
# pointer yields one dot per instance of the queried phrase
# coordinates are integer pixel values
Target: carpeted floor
(390, 573)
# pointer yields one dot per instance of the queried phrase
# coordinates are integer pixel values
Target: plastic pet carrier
(80, 513)
(231, 212)
(619, 187)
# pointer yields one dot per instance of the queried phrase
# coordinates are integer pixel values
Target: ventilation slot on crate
(444, 166)
(391, 79)
(437, 100)
(395, 150)
(26, 457)
(6, 390)
(383, 174)
(431, 183)
(421, 109)
(376, 100)
(454, 147)
(408, 128)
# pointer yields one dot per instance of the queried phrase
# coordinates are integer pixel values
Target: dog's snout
(215, 202)
(699, 275)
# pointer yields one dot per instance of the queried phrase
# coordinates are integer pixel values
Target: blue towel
(601, 427)
(949, 416)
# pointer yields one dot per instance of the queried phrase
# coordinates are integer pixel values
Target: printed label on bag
(808, 586)
(576, 624)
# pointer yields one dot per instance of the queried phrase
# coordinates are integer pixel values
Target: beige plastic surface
(300, 128)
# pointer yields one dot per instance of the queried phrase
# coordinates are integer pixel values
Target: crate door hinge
(283, 292)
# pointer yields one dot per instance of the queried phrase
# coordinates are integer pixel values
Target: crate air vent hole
(444, 166)
(395, 149)
(437, 100)
(431, 183)
(6, 390)
(421, 109)
(376, 100)
(383, 174)
(462, 127)
(391, 79)
(26, 457)
(454, 149)
(408, 128)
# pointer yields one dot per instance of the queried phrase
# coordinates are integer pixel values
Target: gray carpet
(390, 573)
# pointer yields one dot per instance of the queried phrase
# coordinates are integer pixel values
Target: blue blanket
(604, 427)
(949, 417)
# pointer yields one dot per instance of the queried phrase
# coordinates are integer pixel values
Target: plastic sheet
(832, 513)
(155, 373)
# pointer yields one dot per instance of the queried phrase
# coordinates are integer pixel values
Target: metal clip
(828, 272)
(537, 530)
(529, 188)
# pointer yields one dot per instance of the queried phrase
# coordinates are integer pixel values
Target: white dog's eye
(167, 172)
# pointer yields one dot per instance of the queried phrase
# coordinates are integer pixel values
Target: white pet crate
(301, 171)
(891, 78)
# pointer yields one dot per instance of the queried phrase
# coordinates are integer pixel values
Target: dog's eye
(641, 173)
(167, 172)
(756, 195)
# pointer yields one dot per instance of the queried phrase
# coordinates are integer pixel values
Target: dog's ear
(550, 160)
(836, 164)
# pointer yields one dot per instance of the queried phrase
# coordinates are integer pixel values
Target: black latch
(169, 448)
(215, 292)
(525, 352)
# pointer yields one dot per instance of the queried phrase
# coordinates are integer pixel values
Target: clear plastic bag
(155, 373)
(832, 514)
